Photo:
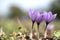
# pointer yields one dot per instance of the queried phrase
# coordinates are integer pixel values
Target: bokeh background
(14, 14)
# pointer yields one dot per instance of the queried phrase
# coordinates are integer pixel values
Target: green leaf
(57, 33)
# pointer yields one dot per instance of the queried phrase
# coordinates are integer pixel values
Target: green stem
(32, 26)
(0, 38)
(45, 33)
(46, 25)
(38, 31)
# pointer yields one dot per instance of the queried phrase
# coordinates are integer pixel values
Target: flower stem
(38, 31)
(45, 33)
(32, 25)
(46, 25)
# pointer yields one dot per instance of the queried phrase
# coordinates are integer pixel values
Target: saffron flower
(50, 27)
(49, 17)
(32, 15)
(39, 19)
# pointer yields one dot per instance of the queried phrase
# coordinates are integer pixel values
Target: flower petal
(50, 27)
(53, 17)
(39, 17)
(49, 16)
(32, 14)
(45, 15)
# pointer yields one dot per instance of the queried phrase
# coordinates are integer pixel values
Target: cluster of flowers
(39, 16)
(35, 16)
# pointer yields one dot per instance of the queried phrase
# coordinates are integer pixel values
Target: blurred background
(14, 13)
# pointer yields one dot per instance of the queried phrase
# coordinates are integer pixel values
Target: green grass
(10, 26)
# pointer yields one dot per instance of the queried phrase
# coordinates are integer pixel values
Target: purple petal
(50, 27)
(45, 16)
(53, 17)
(50, 13)
(48, 16)
(39, 17)
(32, 14)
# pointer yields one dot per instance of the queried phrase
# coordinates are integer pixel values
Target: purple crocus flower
(39, 19)
(32, 15)
(49, 17)
(50, 27)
